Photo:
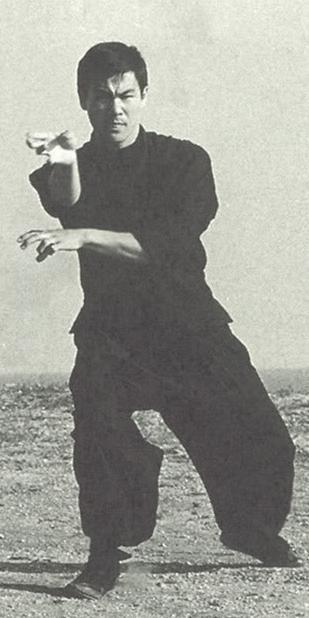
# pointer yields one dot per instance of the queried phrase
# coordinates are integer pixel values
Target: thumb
(67, 140)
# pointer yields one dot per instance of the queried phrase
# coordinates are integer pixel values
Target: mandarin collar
(103, 155)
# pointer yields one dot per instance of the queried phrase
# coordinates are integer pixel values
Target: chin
(117, 137)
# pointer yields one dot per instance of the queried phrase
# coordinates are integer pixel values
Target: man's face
(114, 108)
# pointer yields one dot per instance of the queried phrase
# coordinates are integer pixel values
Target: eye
(102, 97)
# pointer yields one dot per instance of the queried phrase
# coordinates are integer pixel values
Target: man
(133, 204)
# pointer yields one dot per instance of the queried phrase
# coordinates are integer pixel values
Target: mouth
(116, 128)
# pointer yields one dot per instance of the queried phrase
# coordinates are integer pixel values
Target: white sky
(232, 76)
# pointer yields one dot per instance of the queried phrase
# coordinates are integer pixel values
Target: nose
(117, 106)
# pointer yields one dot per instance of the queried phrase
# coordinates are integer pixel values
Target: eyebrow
(129, 91)
(108, 91)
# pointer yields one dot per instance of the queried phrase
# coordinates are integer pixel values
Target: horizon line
(64, 372)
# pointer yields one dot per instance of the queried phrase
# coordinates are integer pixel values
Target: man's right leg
(116, 469)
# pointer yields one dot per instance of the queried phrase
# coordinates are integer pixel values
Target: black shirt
(160, 189)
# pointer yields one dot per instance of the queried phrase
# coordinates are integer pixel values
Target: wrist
(63, 157)
(85, 238)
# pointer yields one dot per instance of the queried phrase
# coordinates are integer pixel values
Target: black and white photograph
(154, 361)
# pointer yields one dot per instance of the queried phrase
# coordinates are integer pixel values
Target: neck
(107, 144)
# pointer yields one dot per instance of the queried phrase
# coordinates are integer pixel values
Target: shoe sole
(83, 591)
(288, 560)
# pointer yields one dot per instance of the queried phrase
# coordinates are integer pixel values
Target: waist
(136, 317)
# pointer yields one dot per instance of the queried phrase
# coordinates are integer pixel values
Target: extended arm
(64, 183)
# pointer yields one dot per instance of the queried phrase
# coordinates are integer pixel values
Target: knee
(288, 450)
(291, 449)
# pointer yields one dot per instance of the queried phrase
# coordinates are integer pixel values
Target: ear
(82, 99)
(144, 95)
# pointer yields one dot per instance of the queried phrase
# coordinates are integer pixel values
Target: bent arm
(170, 230)
(58, 181)
(117, 245)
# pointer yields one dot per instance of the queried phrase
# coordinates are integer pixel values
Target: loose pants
(211, 397)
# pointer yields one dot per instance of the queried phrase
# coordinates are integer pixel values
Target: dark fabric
(161, 190)
(152, 336)
(214, 402)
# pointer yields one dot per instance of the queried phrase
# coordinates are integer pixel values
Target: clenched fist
(57, 148)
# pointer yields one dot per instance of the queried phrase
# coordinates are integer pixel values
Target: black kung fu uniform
(151, 336)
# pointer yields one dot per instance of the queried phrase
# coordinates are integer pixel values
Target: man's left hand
(50, 241)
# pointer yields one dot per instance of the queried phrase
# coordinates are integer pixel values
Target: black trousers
(211, 397)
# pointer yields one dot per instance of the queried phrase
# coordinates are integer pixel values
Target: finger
(47, 147)
(42, 146)
(67, 140)
(22, 237)
(26, 235)
(35, 238)
(52, 150)
(35, 140)
(49, 250)
(41, 150)
(50, 144)
(29, 237)
(45, 244)
(40, 135)
(42, 256)
(30, 240)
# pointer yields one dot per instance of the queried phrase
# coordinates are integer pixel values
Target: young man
(150, 334)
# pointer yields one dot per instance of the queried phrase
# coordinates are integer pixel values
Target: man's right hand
(59, 149)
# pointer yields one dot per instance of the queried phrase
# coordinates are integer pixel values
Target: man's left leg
(238, 444)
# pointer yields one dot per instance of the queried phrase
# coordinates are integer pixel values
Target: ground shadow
(139, 566)
(47, 566)
(50, 590)
(133, 566)
(40, 566)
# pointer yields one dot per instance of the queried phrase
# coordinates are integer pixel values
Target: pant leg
(116, 469)
(234, 436)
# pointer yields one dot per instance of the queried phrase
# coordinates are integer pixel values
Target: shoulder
(85, 152)
(38, 178)
(172, 149)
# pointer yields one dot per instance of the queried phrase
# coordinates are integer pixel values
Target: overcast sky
(231, 76)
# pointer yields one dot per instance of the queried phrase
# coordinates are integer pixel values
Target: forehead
(117, 83)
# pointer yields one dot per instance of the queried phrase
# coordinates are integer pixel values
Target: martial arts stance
(150, 335)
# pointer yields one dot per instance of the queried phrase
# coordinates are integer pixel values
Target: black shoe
(272, 552)
(97, 578)
(123, 555)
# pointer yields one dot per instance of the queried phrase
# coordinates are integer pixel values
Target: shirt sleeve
(68, 216)
(196, 201)
(39, 180)
(180, 213)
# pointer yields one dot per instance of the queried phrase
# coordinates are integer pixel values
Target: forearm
(64, 183)
(122, 245)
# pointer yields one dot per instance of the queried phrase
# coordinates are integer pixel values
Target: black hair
(107, 59)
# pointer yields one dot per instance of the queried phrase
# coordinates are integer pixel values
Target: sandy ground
(182, 571)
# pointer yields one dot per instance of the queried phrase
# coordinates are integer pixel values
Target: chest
(114, 197)
(124, 197)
